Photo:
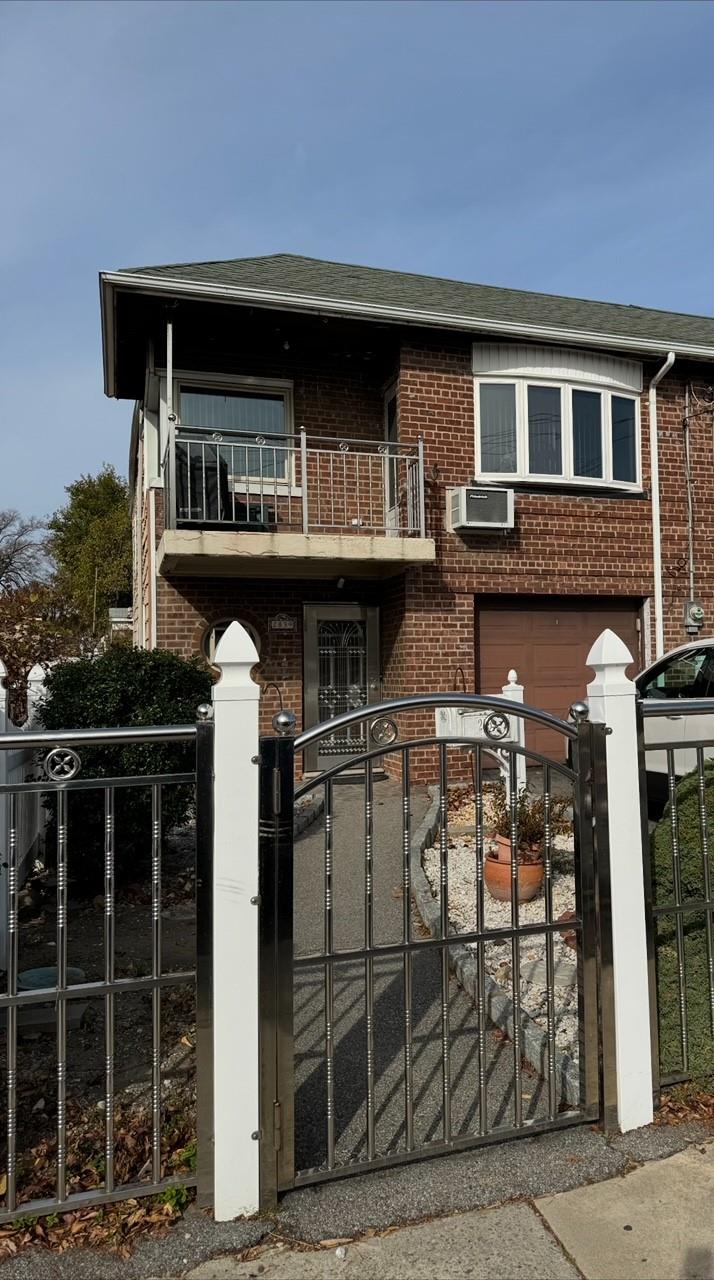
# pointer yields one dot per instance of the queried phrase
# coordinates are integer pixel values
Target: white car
(686, 672)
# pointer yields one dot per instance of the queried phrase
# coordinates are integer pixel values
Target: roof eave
(274, 299)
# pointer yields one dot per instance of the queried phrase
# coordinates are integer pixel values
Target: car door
(700, 728)
(688, 674)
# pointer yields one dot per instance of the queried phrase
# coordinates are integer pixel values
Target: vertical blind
(232, 410)
(497, 405)
(624, 462)
(545, 453)
(587, 433)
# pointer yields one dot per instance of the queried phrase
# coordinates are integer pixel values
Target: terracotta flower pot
(503, 849)
(497, 875)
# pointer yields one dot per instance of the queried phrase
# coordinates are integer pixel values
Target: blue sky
(563, 147)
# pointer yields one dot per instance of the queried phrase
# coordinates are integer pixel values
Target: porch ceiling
(216, 554)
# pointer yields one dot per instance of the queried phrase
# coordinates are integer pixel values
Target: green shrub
(694, 936)
(123, 687)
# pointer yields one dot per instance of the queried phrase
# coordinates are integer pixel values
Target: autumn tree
(36, 627)
(22, 554)
(90, 543)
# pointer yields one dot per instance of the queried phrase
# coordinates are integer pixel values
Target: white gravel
(498, 954)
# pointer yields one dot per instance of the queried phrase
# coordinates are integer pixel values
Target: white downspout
(151, 493)
(656, 529)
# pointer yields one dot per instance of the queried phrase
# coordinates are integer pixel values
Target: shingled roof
(399, 294)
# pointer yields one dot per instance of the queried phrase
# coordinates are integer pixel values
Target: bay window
(555, 415)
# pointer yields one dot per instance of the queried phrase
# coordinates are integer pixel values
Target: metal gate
(405, 1011)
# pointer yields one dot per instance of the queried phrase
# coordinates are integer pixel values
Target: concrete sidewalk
(654, 1223)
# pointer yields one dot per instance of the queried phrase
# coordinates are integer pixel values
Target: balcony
(246, 504)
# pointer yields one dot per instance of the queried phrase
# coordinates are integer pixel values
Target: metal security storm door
(409, 1006)
(341, 675)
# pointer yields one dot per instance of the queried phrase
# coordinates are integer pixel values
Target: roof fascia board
(429, 319)
(106, 303)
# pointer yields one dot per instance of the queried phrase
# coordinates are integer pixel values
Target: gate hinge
(277, 1126)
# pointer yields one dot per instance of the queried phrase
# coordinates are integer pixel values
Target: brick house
(301, 434)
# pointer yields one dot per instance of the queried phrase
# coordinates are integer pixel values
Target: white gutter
(175, 287)
(656, 529)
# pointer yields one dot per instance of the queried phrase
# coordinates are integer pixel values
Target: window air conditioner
(479, 508)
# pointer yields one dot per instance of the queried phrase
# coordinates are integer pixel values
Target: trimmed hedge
(123, 687)
(698, 1008)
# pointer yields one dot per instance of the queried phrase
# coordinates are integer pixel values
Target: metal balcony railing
(242, 481)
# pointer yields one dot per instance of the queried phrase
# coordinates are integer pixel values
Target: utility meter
(693, 617)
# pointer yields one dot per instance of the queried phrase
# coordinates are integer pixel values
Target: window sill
(269, 489)
(564, 487)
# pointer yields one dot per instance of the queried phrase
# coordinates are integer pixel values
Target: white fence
(18, 766)
(456, 722)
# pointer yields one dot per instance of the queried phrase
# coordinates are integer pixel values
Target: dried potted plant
(530, 840)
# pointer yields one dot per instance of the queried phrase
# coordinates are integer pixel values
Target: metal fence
(306, 484)
(92, 1048)
(676, 754)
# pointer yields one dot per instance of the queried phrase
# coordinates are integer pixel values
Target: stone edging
(498, 1005)
(308, 814)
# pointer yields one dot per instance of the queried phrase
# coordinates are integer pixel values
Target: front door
(341, 673)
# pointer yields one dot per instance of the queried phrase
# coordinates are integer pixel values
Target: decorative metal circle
(383, 732)
(497, 726)
(216, 435)
(382, 448)
(344, 447)
(260, 439)
(61, 764)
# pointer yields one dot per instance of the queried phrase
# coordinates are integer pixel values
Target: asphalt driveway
(350, 1029)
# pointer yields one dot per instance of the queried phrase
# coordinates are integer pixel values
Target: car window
(687, 675)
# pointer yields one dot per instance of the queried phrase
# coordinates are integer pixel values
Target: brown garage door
(547, 640)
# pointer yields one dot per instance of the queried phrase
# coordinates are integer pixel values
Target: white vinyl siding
(557, 364)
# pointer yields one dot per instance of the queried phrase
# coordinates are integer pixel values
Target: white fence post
(611, 699)
(235, 928)
(514, 691)
(35, 691)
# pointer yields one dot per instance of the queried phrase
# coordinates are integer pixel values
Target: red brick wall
(670, 412)
(335, 392)
(188, 607)
(563, 544)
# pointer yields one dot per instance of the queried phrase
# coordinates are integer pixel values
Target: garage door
(547, 640)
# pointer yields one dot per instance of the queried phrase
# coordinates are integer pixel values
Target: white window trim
(236, 382)
(566, 476)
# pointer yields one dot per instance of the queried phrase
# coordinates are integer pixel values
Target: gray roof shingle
(371, 286)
